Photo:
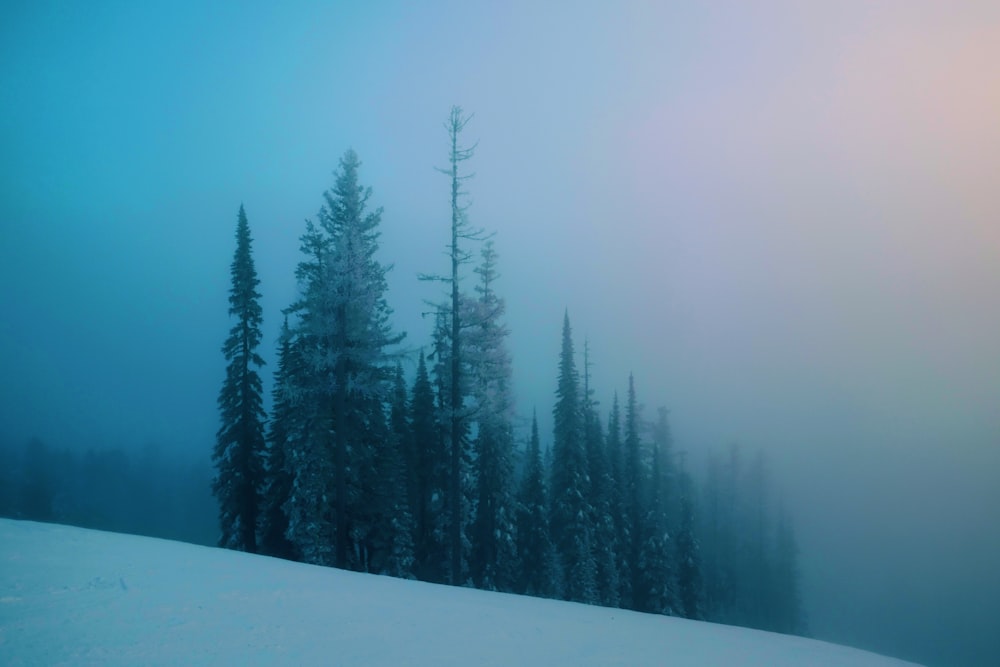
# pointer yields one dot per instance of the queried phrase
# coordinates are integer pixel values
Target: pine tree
(457, 426)
(632, 482)
(428, 480)
(278, 484)
(309, 458)
(392, 531)
(571, 510)
(240, 444)
(600, 494)
(451, 366)
(616, 504)
(656, 576)
(688, 555)
(493, 560)
(534, 545)
(345, 334)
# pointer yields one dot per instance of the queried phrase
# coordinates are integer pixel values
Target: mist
(782, 218)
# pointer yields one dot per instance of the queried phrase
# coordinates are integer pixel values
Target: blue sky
(781, 216)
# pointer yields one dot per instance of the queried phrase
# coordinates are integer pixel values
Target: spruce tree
(571, 510)
(278, 477)
(392, 529)
(616, 504)
(688, 554)
(428, 480)
(534, 545)
(457, 418)
(604, 545)
(451, 367)
(345, 335)
(493, 554)
(631, 489)
(240, 445)
(308, 456)
(655, 566)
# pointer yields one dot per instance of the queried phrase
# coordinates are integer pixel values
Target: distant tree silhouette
(240, 445)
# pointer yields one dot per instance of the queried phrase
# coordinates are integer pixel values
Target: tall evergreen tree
(688, 554)
(451, 367)
(428, 480)
(493, 556)
(309, 457)
(345, 333)
(617, 505)
(392, 530)
(571, 510)
(600, 495)
(457, 424)
(240, 445)
(656, 575)
(534, 545)
(278, 484)
(631, 489)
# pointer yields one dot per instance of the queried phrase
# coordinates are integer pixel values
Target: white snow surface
(70, 596)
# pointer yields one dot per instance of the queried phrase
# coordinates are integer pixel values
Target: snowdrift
(83, 597)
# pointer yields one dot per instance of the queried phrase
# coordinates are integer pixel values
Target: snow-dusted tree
(428, 479)
(240, 445)
(278, 477)
(493, 556)
(688, 554)
(534, 545)
(309, 459)
(663, 441)
(631, 490)
(345, 335)
(616, 504)
(600, 495)
(655, 555)
(392, 531)
(451, 368)
(572, 533)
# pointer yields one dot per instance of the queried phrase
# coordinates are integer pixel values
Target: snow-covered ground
(70, 596)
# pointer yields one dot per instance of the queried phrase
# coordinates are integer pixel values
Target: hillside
(84, 597)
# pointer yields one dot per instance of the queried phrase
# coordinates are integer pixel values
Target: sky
(782, 217)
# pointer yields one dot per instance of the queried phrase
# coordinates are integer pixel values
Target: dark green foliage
(279, 477)
(601, 493)
(688, 556)
(534, 546)
(632, 505)
(572, 533)
(616, 505)
(392, 530)
(493, 552)
(655, 554)
(240, 446)
(428, 479)
(341, 339)
(364, 475)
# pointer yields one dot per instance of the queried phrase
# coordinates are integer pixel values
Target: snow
(82, 597)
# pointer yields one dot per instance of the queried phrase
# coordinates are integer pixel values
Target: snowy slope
(80, 597)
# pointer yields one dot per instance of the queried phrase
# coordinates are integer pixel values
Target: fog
(782, 217)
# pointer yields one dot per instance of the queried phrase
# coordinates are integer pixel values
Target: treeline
(108, 489)
(357, 468)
